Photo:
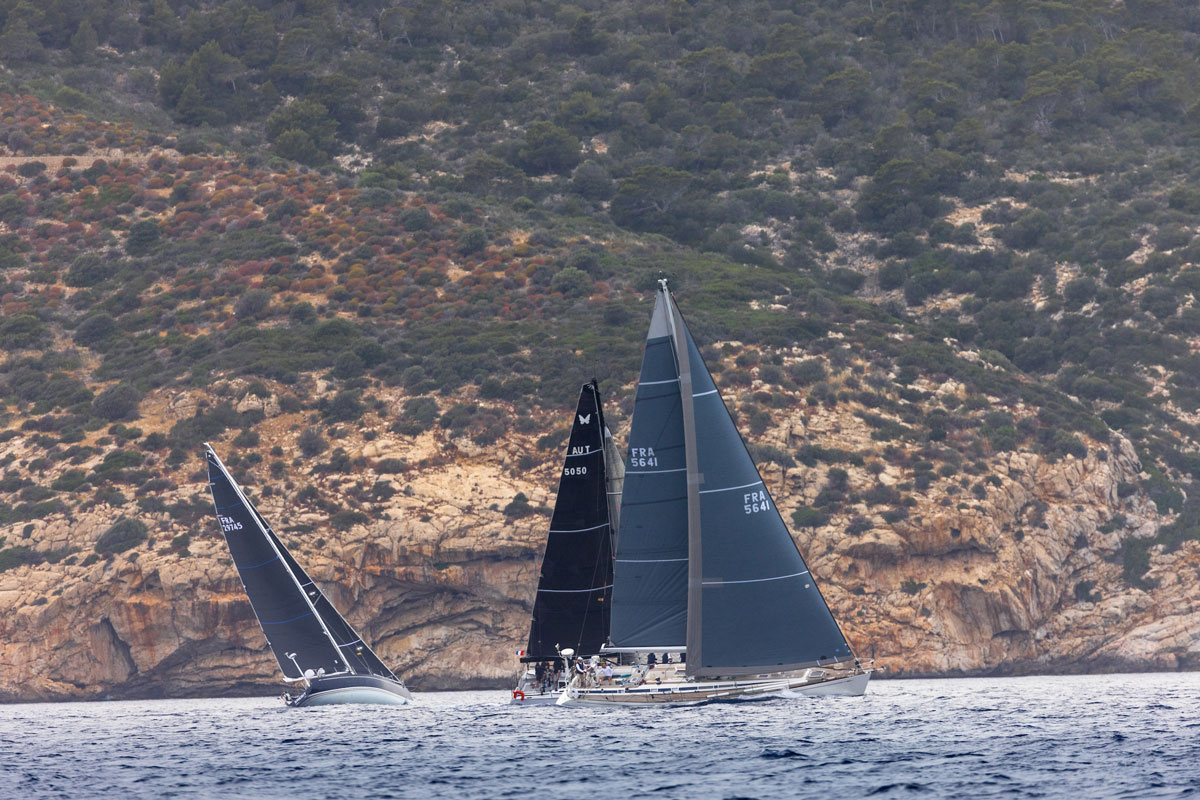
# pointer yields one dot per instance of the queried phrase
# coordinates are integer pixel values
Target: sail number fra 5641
(642, 457)
(755, 502)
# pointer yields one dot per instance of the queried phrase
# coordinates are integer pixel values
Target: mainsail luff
(683, 362)
(571, 608)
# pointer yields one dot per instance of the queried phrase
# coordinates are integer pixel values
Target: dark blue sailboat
(571, 608)
(311, 641)
(705, 567)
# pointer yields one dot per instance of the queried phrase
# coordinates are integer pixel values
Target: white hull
(547, 699)
(683, 693)
(356, 694)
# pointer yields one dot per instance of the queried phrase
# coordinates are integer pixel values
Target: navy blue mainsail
(571, 608)
(303, 629)
(650, 577)
(760, 609)
(704, 558)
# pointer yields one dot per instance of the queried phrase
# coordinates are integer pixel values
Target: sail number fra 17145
(755, 502)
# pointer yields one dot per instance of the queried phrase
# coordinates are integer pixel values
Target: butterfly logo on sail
(585, 420)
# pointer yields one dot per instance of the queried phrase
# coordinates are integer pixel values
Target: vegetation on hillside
(473, 197)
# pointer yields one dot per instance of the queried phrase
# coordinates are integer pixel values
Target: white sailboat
(706, 572)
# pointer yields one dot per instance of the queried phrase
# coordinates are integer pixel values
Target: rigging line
(730, 488)
(756, 580)
(584, 530)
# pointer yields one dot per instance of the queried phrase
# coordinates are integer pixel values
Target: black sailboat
(705, 565)
(571, 608)
(311, 641)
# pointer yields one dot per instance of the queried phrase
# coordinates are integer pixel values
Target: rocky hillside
(437, 562)
(969, 380)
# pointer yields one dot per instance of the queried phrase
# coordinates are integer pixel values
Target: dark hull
(342, 689)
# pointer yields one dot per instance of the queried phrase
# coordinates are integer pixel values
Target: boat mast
(695, 566)
(258, 521)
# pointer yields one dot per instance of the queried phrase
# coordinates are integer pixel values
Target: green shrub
(805, 517)
(345, 520)
(1083, 591)
(519, 507)
(123, 535)
(118, 402)
(20, 555)
(311, 442)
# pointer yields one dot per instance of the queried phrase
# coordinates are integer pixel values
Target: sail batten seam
(731, 488)
(582, 530)
(576, 591)
(756, 580)
(648, 560)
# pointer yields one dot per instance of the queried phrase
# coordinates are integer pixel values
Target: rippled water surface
(1098, 736)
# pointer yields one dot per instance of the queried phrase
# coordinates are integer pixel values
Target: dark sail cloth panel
(761, 610)
(287, 620)
(650, 587)
(575, 585)
(358, 655)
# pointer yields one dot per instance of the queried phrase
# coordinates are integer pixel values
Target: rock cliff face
(1016, 575)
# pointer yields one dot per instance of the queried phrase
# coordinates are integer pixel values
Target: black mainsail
(305, 632)
(575, 585)
(704, 558)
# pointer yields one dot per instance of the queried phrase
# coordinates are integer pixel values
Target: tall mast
(694, 479)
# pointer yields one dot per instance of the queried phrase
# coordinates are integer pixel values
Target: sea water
(1133, 736)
